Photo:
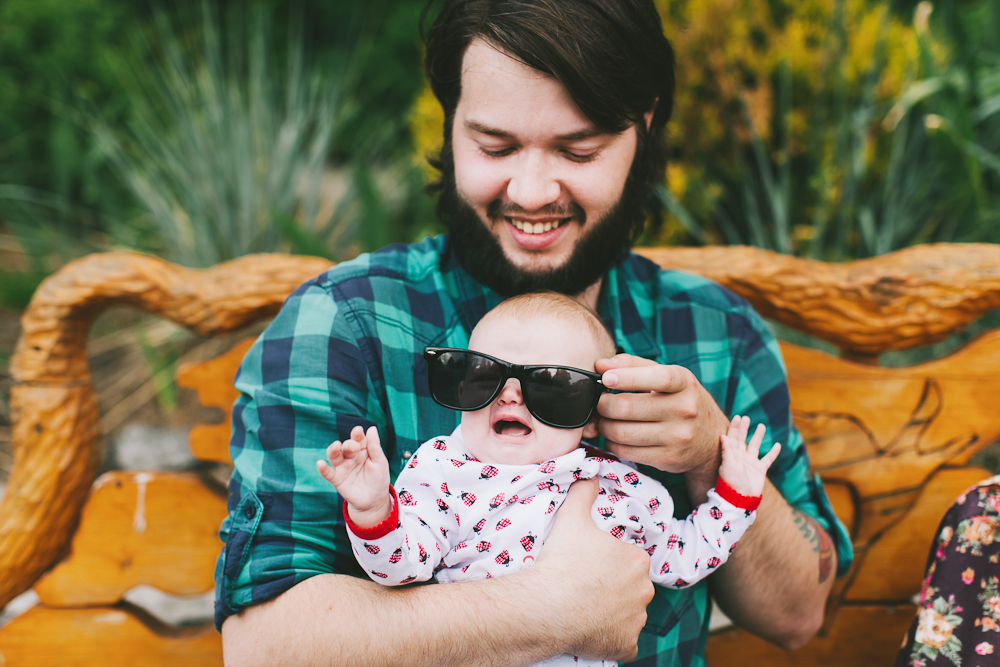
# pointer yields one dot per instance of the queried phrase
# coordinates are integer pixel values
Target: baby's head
(535, 329)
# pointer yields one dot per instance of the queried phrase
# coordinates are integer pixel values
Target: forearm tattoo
(820, 541)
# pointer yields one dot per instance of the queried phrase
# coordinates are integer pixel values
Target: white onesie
(455, 518)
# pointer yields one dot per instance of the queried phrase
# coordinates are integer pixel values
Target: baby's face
(504, 431)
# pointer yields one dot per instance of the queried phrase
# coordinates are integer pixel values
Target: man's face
(538, 176)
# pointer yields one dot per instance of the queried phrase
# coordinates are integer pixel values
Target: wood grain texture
(893, 567)
(905, 299)
(213, 380)
(885, 431)
(157, 529)
(103, 637)
(54, 410)
(864, 636)
(876, 434)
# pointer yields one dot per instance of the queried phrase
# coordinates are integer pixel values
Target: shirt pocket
(243, 526)
(667, 608)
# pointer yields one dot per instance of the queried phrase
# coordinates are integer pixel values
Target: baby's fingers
(758, 437)
(325, 470)
(744, 429)
(734, 427)
(334, 453)
(731, 448)
(770, 457)
(375, 452)
(351, 448)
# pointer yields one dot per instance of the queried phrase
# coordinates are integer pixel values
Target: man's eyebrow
(587, 133)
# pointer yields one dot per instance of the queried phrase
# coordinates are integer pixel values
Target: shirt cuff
(728, 493)
(380, 529)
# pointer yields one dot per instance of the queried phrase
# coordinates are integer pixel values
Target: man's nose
(511, 393)
(533, 183)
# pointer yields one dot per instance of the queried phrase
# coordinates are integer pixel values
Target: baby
(479, 503)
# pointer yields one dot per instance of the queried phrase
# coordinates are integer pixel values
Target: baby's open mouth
(510, 427)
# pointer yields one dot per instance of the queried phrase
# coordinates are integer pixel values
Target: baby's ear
(590, 430)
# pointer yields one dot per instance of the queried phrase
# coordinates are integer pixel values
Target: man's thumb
(580, 498)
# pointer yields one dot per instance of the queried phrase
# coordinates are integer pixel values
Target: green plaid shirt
(346, 349)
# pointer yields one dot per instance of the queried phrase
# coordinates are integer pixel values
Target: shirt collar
(627, 307)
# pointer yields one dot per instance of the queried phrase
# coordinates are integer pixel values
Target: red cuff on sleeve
(728, 493)
(378, 530)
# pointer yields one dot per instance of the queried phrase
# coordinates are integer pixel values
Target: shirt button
(250, 511)
(407, 454)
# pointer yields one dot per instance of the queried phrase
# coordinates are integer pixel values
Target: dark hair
(610, 55)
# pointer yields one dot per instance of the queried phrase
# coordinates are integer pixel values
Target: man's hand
(360, 472)
(600, 585)
(666, 420)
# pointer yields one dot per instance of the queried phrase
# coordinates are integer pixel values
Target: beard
(607, 242)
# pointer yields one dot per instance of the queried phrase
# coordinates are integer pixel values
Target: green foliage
(52, 53)
(61, 57)
(865, 174)
(216, 148)
(225, 149)
(162, 362)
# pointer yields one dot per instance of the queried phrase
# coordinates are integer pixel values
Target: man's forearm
(337, 619)
(776, 582)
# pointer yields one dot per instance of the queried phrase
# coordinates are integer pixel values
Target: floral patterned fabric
(958, 623)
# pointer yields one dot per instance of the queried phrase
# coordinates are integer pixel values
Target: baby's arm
(690, 549)
(395, 546)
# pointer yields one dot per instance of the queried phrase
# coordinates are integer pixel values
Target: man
(553, 141)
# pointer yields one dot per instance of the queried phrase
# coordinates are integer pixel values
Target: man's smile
(539, 227)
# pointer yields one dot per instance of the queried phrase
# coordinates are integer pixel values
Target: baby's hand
(741, 469)
(360, 471)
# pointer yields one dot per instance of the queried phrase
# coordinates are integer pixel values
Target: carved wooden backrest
(891, 444)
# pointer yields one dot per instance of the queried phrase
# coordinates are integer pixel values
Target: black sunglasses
(558, 396)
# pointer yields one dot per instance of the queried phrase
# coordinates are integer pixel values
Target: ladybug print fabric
(504, 513)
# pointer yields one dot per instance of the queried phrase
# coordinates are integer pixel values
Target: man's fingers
(580, 498)
(622, 361)
(644, 407)
(647, 376)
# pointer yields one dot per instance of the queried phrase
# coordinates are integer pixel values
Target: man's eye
(501, 152)
(581, 157)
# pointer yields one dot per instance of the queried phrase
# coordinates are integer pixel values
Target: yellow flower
(994, 604)
(981, 529)
(933, 629)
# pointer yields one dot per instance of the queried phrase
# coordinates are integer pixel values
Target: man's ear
(648, 116)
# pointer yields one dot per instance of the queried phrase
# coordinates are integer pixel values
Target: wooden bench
(892, 444)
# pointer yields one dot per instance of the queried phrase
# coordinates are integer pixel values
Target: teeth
(536, 228)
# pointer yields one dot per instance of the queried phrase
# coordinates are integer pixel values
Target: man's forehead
(486, 59)
(501, 95)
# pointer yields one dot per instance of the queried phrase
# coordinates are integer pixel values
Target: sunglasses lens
(463, 380)
(560, 396)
